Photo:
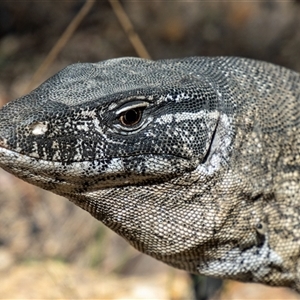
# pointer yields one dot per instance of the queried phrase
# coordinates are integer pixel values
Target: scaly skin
(194, 161)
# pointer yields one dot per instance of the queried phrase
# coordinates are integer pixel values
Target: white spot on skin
(55, 145)
(179, 117)
(165, 119)
(34, 152)
(178, 98)
(115, 165)
(89, 113)
(39, 128)
(98, 127)
(83, 127)
(112, 106)
(256, 260)
(214, 163)
(3, 142)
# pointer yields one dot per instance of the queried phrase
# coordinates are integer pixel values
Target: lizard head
(115, 123)
(136, 143)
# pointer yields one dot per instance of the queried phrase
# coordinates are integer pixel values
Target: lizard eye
(131, 117)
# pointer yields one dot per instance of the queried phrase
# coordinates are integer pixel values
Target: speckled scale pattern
(207, 180)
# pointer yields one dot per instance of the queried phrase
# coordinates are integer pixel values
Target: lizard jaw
(66, 178)
(21, 166)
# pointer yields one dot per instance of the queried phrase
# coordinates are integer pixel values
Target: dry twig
(129, 30)
(60, 44)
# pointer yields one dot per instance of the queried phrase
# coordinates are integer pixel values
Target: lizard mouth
(86, 175)
(18, 164)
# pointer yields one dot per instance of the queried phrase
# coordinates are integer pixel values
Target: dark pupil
(131, 117)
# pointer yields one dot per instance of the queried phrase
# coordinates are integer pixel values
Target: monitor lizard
(193, 161)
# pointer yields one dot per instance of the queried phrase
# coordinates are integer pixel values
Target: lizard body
(193, 161)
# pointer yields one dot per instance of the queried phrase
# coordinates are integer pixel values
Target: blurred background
(48, 247)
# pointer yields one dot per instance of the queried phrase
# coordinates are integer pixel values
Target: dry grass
(57, 280)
